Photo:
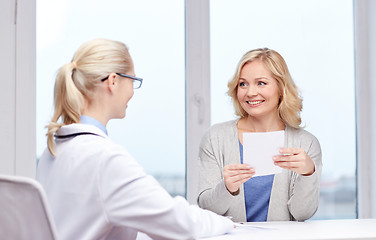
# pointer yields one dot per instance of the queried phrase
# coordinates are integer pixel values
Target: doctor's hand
(235, 175)
(295, 159)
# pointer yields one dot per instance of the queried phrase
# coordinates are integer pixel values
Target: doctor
(95, 188)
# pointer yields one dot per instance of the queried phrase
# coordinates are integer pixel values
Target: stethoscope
(74, 135)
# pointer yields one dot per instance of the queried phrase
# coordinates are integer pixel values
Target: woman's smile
(254, 103)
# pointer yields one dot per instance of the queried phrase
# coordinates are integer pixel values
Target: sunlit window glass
(153, 130)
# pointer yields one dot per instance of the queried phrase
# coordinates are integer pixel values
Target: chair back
(24, 211)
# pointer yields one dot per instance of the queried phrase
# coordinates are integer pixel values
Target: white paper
(259, 149)
(251, 227)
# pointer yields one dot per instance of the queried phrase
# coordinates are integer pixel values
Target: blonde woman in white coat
(95, 188)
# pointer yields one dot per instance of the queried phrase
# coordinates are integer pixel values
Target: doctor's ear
(112, 82)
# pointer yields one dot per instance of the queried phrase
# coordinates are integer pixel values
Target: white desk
(310, 230)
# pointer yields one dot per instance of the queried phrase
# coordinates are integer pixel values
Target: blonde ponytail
(76, 81)
(68, 101)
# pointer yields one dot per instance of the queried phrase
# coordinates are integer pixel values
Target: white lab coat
(96, 190)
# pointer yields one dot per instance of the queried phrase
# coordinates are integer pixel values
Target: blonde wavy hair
(76, 81)
(290, 104)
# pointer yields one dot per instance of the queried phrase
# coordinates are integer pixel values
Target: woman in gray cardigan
(266, 99)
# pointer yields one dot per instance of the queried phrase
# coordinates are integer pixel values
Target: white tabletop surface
(309, 230)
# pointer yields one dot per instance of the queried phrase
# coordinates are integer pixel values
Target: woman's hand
(236, 174)
(295, 159)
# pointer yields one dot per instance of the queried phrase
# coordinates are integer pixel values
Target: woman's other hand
(295, 159)
(235, 175)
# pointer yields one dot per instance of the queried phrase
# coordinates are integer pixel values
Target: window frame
(365, 58)
(197, 90)
(18, 91)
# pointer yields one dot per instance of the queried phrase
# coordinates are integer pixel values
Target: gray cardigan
(293, 196)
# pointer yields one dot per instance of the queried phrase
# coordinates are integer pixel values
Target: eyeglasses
(137, 82)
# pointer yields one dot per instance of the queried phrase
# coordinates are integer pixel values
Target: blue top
(257, 195)
(92, 121)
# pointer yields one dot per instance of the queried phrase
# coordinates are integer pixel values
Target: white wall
(17, 91)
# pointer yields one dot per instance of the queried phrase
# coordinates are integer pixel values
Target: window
(154, 129)
(19, 155)
(316, 40)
